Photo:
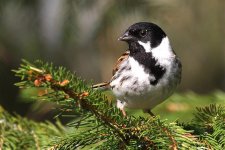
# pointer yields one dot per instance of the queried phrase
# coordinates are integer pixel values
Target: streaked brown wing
(122, 58)
(105, 85)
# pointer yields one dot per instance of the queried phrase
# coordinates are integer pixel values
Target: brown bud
(84, 94)
(48, 77)
(64, 82)
(37, 82)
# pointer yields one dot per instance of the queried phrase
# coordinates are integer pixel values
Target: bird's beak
(125, 37)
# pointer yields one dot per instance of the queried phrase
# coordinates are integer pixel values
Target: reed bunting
(148, 72)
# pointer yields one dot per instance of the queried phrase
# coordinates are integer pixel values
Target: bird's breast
(131, 83)
(131, 79)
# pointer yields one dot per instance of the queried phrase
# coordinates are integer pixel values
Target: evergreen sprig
(101, 125)
(20, 133)
(209, 124)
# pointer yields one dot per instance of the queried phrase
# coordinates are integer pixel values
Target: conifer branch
(101, 122)
(20, 133)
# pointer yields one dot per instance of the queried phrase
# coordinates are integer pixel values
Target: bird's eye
(143, 33)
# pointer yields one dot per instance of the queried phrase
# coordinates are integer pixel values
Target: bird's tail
(102, 86)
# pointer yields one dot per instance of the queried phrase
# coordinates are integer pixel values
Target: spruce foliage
(20, 133)
(97, 123)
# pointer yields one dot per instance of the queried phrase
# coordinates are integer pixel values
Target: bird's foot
(121, 106)
(123, 112)
(149, 112)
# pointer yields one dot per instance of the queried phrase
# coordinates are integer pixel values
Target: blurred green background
(82, 36)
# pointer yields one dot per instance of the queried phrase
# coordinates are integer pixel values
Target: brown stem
(174, 144)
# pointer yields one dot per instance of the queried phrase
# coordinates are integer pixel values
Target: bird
(148, 72)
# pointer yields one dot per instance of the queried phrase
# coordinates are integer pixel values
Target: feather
(101, 86)
(122, 58)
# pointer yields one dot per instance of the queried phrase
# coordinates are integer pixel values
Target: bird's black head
(143, 32)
